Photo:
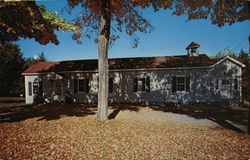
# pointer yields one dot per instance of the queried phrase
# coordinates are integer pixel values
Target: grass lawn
(72, 132)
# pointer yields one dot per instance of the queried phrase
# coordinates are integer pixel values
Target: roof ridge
(131, 58)
(124, 63)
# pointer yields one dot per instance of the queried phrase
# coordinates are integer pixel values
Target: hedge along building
(181, 79)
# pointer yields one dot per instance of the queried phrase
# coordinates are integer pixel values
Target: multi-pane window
(30, 88)
(81, 85)
(193, 50)
(111, 84)
(142, 84)
(180, 84)
(225, 81)
(58, 89)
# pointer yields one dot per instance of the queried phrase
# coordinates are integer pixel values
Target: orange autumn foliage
(125, 14)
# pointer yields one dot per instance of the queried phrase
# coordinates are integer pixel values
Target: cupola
(192, 49)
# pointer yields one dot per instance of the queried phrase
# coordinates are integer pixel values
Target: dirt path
(151, 115)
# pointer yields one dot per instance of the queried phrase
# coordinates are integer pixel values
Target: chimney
(192, 49)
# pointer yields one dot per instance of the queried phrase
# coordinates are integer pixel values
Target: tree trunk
(103, 44)
(248, 129)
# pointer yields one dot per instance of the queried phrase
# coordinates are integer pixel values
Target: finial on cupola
(192, 49)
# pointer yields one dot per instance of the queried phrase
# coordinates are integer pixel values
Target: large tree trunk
(103, 43)
(248, 129)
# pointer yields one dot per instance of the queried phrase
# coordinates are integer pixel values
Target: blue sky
(170, 36)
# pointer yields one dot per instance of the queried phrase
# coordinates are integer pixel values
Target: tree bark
(103, 44)
(248, 129)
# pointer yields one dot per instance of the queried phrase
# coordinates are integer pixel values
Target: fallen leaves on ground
(86, 138)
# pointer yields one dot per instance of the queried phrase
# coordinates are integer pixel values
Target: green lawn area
(72, 132)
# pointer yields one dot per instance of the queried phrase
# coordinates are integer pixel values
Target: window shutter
(187, 84)
(235, 84)
(75, 86)
(216, 84)
(135, 84)
(86, 83)
(148, 84)
(143, 84)
(173, 84)
(110, 85)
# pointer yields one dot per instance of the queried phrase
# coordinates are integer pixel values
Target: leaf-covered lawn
(6, 102)
(83, 137)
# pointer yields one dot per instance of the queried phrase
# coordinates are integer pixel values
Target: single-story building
(182, 79)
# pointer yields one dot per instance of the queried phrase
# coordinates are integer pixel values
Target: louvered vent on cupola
(192, 49)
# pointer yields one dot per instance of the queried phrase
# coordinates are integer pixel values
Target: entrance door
(58, 91)
(226, 88)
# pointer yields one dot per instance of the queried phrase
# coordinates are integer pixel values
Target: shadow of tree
(12, 101)
(8, 100)
(223, 115)
(44, 111)
(121, 107)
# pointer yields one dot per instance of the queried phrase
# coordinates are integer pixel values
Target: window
(180, 84)
(81, 85)
(111, 84)
(225, 81)
(142, 84)
(30, 88)
(235, 84)
(58, 89)
(193, 50)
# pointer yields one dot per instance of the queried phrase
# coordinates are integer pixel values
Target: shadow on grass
(121, 107)
(12, 100)
(44, 111)
(223, 115)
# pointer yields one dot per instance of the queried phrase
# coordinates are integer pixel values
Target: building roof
(39, 67)
(193, 45)
(124, 63)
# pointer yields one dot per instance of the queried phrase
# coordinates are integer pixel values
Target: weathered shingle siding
(90, 97)
(229, 70)
(201, 85)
